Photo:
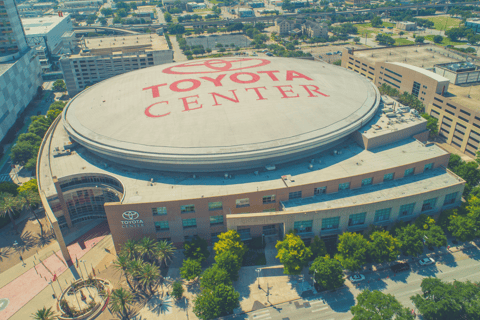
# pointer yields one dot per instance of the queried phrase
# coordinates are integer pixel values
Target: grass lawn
(446, 41)
(439, 22)
(388, 24)
(402, 42)
(215, 2)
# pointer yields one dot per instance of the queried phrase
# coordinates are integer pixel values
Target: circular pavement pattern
(4, 303)
(220, 114)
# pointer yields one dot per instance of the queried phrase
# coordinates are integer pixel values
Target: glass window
(189, 223)
(160, 211)
(242, 202)
(357, 219)
(409, 172)
(320, 190)
(268, 199)
(215, 205)
(303, 226)
(330, 223)
(161, 226)
(187, 209)
(429, 204)
(388, 177)
(382, 214)
(214, 236)
(214, 220)
(294, 195)
(428, 166)
(367, 181)
(269, 230)
(189, 238)
(344, 186)
(406, 209)
(450, 198)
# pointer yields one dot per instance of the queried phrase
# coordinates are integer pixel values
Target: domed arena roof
(220, 114)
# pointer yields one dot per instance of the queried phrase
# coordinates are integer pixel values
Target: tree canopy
(230, 241)
(213, 277)
(328, 272)
(411, 240)
(352, 249)
(191, 269)
(216, 302)
(293, 254)
(196, 249)
(383, 247)
(376, 305)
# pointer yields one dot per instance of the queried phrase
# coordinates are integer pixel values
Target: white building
(242, 12)
(47, 31)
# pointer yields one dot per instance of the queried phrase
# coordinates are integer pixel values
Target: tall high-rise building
(20, 71)
(12, 37)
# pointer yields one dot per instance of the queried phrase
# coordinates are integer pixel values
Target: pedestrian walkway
(20, 287)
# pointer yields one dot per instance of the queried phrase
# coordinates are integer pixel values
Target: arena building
(262, 146)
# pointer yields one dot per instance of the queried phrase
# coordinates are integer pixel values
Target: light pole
(54, 294)
(86, 276)
(258, 277)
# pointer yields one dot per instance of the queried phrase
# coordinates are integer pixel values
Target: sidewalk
(21, 284)
(178, 54)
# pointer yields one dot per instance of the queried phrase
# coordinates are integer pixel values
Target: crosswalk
(261, 315)
(318, 305)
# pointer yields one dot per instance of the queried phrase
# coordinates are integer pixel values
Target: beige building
(200, 147)
(102, 58)
(357, 2)
(449, 88)
(406, 25)
(307, 27)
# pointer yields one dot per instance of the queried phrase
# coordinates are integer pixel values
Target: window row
(381, 215)
(188, 223)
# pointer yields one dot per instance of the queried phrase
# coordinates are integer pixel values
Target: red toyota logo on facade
(216, 65)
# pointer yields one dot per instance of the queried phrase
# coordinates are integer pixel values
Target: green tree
(120, 300)
(328, 272)
(465, 226)
(39, 125)
(57, 105)
(435, 237)
(376, 305)
(432, 124)
(177, 290)
(147, 248)
(30, 138)
(356, 39)
(165, 251)
(411, 240)
(30, 185)
(122, 264)
(377, 22)
(419, 39)
(383, 247)
(103, 21)
(217, 302)
(191, 269)
(44, 314)
(168, 17)
(9, 187)
(318, 247)
(424, 222)
(59, 85)
(23, 151)
(337, 62)
(437, 39)
(196, 249)
(397, 226)
(8, 204)
(443, 300)
(29, 199)
(229, 262)
(352, 249)
(230, 241)
(213, 277)
(293, 254)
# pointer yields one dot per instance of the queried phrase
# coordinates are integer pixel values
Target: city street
(461, 266)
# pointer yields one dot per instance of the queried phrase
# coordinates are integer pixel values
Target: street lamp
(54, 294)
(86, 276)
(258, 277)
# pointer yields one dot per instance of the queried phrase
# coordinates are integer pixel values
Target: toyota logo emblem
(130, 215)
(216, 65)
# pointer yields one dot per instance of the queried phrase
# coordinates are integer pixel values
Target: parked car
(403, 266)
(269, 54)
(357, 278)
(426, 261)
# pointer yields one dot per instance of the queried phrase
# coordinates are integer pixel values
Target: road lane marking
(315, 302)
(260, 312)
(262, 316)
(316, 310)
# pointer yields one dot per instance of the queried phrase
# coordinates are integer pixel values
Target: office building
(103, 58)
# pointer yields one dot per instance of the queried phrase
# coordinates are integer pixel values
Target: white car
(357, 278)
(426, 261)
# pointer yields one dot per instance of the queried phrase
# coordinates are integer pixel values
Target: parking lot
(224, 39)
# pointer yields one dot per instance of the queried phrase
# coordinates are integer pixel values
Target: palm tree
(147, 248)
(134, 268)
(165, 251)
(130, 248)
(122, 265)
(148, 276)
(44, 314)
(29, 199)
(120, 300)
(8, 204)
